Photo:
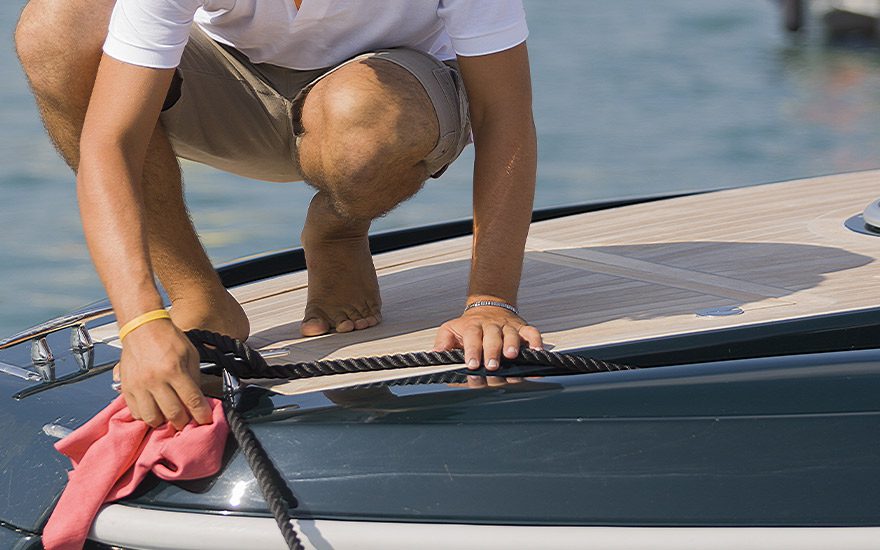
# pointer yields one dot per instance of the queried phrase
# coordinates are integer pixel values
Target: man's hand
(485, 333)
(159, 371)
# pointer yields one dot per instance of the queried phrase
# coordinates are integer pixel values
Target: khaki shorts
(241, 117)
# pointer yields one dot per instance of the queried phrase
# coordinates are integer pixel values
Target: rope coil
(239, 359)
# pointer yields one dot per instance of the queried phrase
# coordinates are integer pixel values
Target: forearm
(117, 130)
(504, 189)
(159, 368)
(500, 105)
(111, 207)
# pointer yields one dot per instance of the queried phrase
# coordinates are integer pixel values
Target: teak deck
(776, 251)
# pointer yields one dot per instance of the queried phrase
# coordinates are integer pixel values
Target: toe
(361, 316)
(344, 320)
(314, 326)
(372, 313)
(346, 325)
(349, 319)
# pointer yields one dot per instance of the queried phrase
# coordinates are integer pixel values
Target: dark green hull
(766, 425)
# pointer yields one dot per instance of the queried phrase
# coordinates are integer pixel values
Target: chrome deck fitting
(40, 352)
(722, 311)
(80, 339)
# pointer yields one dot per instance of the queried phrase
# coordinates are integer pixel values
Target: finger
(473, 341)
(514, 379)
(495, 381)
(132, 404)
(192, 399)
(172, 409)
(149, 410)
(445, 340)
(531, 335)
(475, 381)
(492, 340)
(511, 342)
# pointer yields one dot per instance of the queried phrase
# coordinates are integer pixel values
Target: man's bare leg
(368, 128)
(59, 45)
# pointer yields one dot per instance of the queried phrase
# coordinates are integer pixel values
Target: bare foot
(218, 313)
(343, 288)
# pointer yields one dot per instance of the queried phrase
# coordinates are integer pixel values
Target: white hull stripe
(159, 530)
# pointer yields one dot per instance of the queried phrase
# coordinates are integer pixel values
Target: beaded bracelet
(493, 303)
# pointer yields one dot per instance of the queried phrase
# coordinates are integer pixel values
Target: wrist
(504, 305)
(141, 321)
(136, 299)
(478, 297)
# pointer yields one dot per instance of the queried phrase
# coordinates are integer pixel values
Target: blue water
(632, 97)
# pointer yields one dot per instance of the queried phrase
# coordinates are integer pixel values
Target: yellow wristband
(142, 320)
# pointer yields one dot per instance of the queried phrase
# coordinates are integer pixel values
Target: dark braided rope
(243, 362)
(268, 477)
(211, 347)
(220, 344)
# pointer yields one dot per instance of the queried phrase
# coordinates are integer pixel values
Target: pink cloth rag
(111, 455)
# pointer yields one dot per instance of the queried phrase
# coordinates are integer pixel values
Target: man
(276, 90)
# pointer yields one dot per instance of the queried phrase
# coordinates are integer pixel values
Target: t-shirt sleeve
(481, 27)
(150, 33)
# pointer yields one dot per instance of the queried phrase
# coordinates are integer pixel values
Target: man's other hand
(485, 333)
(159, 371)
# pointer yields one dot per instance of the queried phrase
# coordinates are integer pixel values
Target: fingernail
(492, 364)
(512, 350)
(473, 377)
(473, 363)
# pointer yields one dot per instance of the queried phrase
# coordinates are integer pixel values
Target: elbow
(517, 132)
(103, 159)
(97, 148)
(519, 120)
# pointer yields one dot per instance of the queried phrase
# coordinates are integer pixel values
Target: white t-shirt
(323, 33)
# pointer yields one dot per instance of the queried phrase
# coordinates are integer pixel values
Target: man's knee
(53, 38)
(367, 130)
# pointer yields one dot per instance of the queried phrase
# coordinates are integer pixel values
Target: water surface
(632, 97)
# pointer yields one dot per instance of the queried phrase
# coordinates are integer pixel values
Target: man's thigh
(232, 114)
(243, 118)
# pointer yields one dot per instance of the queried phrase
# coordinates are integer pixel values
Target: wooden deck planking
(777, 251)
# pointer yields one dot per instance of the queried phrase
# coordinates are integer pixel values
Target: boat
(751, 421)
(840, 18)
